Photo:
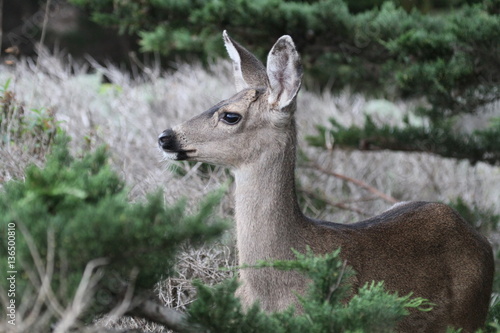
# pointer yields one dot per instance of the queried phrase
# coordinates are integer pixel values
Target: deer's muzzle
(167, 141)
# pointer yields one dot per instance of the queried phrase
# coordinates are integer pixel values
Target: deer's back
(424, 248)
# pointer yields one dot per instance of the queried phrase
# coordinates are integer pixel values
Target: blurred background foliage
(445, 54)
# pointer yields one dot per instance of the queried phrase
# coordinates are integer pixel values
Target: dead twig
(124, 305)
(334, 204)
(335, 286)
(356, 182)
(172, 319)
(83, 296)
(44, 28)
(46, 295)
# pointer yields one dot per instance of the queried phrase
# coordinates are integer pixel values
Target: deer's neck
(268, 217)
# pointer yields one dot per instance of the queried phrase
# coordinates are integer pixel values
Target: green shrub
(372, 309)
(75, 211)
(32, 130)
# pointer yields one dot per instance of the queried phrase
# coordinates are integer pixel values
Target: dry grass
(128, 113)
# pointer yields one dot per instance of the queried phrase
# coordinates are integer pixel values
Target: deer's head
(258, 119)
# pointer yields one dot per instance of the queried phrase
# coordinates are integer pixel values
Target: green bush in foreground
(75, 211)
(372, 309)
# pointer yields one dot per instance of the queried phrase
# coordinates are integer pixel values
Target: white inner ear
(284, 72)
(239, 81)
(282, 82)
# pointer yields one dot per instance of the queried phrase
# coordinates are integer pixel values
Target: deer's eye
(230, 118)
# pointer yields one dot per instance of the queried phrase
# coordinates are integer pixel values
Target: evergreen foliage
(372, 309)
(494, 315)
(484, 220)
(76, 210)
(440, 138)
(380, 45)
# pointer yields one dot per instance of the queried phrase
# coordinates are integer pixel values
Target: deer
(423, 248)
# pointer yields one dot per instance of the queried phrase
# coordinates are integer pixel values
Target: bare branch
(98, 329)
(339, 281)
(124, 305)
(356, 182)
(340, 205)
(45, 289)
(172, 319)
(44, 28)
(83, 295)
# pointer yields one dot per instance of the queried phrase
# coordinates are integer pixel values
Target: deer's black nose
(166, 138)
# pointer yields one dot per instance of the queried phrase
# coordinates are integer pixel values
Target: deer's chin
(180, 155)
(170, 155)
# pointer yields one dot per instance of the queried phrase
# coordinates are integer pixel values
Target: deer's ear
(284, 71)
(249, 72)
